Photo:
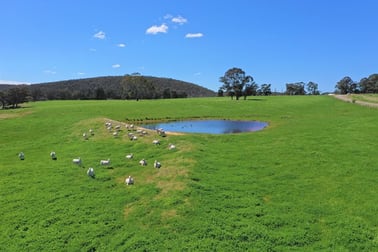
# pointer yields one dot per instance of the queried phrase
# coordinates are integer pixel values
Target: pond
(208, 126)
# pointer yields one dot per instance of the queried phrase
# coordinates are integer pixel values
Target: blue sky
(274, 41)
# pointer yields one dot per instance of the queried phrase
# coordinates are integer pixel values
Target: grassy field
(307, 182)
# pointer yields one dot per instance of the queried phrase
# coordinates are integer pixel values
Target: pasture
(307, 182)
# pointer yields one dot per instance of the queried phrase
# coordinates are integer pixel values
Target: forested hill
(118, 87)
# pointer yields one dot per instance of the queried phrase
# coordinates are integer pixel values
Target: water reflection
(209, 126)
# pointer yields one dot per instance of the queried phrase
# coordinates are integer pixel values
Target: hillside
(117, 87)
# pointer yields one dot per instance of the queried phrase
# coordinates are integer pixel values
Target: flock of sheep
(115, 132)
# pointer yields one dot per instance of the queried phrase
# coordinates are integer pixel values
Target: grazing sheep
(156, 142)
(133, 138)
(85, 136)
(91, 172)
(130, 156)
(115, 134)
(21, 155)
(171, 146)
(160, 132)
(53, 155)
(105, 162)
(157, 164)
(118, 127)
(76, 161)
(143, 162)
(129, 180)
(91, 132)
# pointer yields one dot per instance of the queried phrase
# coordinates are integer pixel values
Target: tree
(220, 93)
(137, 87)
(100, 94)
(296, 88)
(2, 99)
(370, 84)
(16, 95)
(235, 82)
(250, 89)
(265, 89)
(346, 86)
(312, 88)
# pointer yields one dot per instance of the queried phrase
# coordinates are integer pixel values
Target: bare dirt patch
(14, 115)
(351, 99)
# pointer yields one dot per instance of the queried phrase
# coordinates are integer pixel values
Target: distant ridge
(116, 87)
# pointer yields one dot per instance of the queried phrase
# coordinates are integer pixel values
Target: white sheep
(21, 155)
(130, 156)
(129, 180)
(91, 172)
(143, 162)
(156, 142)
(85, 136)
(76, 161)
(160, 132)
(108, 124)
(157, 164)
(53, 155)
(171, 146)
(105, 162)
(91, 132)
(115, 134)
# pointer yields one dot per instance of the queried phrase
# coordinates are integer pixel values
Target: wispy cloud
(49, 72)
(194, 35)
(157, 29)
(179, 20)
(80, 73)
(92, 49)
(168, 16)
(100, 35)
(116, 66)
(121, 45)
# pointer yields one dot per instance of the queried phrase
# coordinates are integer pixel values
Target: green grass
(307, 182)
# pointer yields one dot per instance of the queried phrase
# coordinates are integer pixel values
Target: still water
(209, 126)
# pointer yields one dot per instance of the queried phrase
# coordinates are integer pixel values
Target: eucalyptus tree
(312, 88)
(296, 88)
(265, 89)
(237, 83)
(346, 85)
(370, 84)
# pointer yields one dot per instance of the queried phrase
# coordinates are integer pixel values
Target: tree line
(237, 84)
(130, 87)
(367, 85)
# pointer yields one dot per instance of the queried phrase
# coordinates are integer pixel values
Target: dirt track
(348, 98)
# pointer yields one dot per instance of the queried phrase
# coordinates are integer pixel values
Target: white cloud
(157, 29)
(8, 82)
(92, 49)
(121, 45)
(100, 35)
(194, 35)
(80, 73)
(116, 66)
(179, 20)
